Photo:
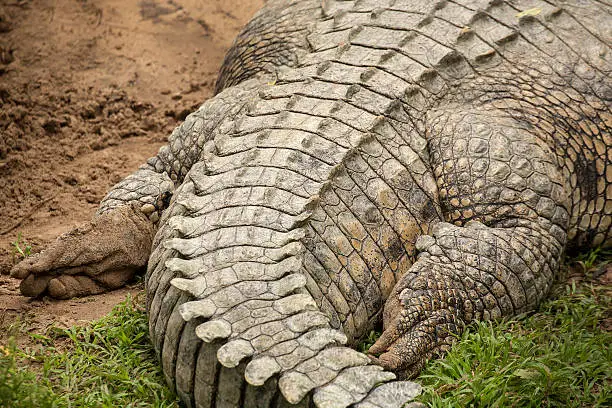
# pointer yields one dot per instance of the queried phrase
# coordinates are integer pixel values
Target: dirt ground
(89, 90)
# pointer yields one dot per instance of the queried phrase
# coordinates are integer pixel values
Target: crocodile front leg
(501, 187)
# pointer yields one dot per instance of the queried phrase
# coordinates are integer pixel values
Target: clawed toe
(407, 344)
(69, 286)
(404, 359)
(24, 268)
(34, 285)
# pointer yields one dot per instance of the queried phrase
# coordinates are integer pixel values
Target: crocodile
(420, 164)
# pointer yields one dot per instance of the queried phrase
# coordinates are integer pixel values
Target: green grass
(18, 385)
(21, 248)
(110, 363)
(367, 342)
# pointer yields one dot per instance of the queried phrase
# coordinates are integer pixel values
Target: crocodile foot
(96, 257)
(421, 322)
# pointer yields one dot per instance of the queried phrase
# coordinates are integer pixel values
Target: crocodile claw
(98, 256)
(419, 326)
(407, 353)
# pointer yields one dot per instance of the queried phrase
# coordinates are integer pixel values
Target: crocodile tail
(232, 321)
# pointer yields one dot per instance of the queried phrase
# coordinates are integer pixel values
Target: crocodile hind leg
(505, 193)
(106, 252)
(96, 257)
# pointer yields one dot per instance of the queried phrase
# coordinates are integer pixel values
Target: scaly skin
(424, 163)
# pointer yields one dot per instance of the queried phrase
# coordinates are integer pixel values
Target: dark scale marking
(586, 175)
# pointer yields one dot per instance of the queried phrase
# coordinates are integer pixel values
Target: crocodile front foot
(96, 257)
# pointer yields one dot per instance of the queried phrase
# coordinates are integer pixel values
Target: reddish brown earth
(89, 90)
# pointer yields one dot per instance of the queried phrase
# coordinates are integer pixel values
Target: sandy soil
(88, 90)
